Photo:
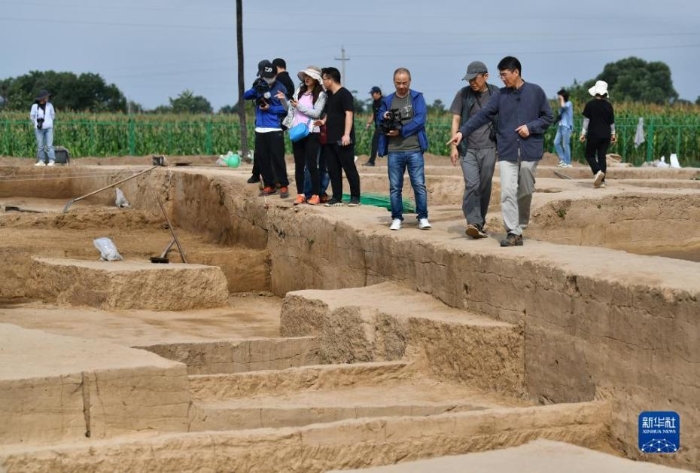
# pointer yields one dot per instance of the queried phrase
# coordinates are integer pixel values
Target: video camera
(262, 92)
(393, 122)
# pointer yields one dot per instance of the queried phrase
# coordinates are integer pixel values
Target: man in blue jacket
(269, 138)
(401, 119)
(523, 117)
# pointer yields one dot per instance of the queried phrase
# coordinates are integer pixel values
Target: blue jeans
(398, 163)
(44, 140)
(562, 143)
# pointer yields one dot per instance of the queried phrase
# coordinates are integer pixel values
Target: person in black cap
(477, 154)
(42, 115)
(269, 138)
(376, 94)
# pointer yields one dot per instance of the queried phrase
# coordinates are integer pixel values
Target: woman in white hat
(305, 107)
(598, 130)
(42, 115)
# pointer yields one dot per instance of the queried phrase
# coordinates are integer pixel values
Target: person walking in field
(523, 117)
(598, 131)
(477, 153)
(565, 122)
(42, 115)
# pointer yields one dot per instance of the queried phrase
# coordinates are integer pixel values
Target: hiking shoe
(395, 224)
(354, 202)
(268, 191)
(300, 199)
(40, 163)
(324, 198)
(475, 231)
(368, 163)
(598, 179)
(253, 179)
(334, 203)
(512, 240)
(313, 200)
(284, 192)
(423, 224)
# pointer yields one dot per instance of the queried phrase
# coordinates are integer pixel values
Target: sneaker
(51, 163)
(569, 165)
(354, 202)
(313, 200)
(598, 179)
(423, 224)
(334, 203)
(268, 191)
(395, 224)
(512, 240)
(324, 198)
(300, 199)
(561, 164)
(602, 185)
(40, 163)
(253, 179)
(284, 192)
(475, 231)
(368, 163)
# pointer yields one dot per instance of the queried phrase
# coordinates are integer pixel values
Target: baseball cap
(266, 70)
(474, 69)
(375, 90)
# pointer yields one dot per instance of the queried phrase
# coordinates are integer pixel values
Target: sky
(153, 50)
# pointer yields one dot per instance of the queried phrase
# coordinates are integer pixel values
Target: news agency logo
(659, 432)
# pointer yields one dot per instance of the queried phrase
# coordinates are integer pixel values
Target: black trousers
(596, 149)
(306, 155)
(269, 153)
(375, 146)
(339, 159)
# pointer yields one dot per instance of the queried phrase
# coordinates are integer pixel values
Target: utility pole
(241, 84)
(343, 59)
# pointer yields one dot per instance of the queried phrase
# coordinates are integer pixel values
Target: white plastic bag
(108, 250)
(121, 201)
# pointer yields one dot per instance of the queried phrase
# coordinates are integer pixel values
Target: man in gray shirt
(523, 117)
(477, 154)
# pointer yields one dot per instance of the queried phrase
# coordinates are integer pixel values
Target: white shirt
(48, 116)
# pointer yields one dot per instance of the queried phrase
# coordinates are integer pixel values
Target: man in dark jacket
(523, 117)
(476, 154)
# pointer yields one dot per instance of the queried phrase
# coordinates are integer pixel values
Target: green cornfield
(667, 130)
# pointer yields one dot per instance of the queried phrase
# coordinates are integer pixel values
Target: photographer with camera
(269, 138)
(401, 118)
(42, 115)
(476, 154)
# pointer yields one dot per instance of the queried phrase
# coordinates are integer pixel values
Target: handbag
(300, 131)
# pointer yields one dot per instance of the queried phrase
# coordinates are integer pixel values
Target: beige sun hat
(600, 88)
(312, 71)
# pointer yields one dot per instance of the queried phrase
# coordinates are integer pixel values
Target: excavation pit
(339, 337)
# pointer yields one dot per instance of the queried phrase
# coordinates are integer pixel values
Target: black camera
(39, 123)
(392, 122)
(262, 92)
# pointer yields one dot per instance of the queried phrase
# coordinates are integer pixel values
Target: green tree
(187, 102)
(436, 107)
(633, 80)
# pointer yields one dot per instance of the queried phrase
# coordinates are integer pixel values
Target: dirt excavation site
(310, 339)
